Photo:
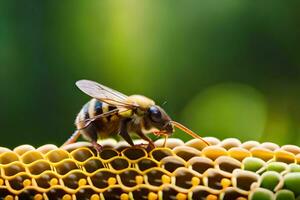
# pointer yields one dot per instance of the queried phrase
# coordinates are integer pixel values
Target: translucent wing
(99, 91)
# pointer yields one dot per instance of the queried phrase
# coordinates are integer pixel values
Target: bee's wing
(103, 93)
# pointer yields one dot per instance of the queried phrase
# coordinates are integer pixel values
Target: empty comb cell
(186, 153)
(244, 180)
(159, 153)
(227, 164)
(229, 143)
(31, 156)
(200, 164)
(134, 153)
(107, 154)
(233, 193)
(65, 167)
(171, 163)
(13, 169)
(82, 154)
(57, 155)
(8, 157)
(39, 167)
(119, 164)
(146, 163)
(92, 164)
(201, 192)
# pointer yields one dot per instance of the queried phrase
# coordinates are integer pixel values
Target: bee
(110, 112)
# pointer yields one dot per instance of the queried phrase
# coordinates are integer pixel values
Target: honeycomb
(226, 170)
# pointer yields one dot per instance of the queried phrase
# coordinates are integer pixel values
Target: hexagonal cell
(159, 153)
(47, 180)
(100, 179)
(30, 194)
(244, 179)
(146, 163)
(82, 154)
(58, 193)
(119, 163)
(284, 156)
(31, 156)
(183, 178)
(128, 178)
(196, 144)
(269, 145)
(213, 152)
(291, 148)
(57, 155)
(142, 193)
(20, 150)
(65, 167)
(87, 193)
(4, 192)
(171, 163)
(74, 180)
(201, 193)
(186, 152)
(19, 182)
(13, 169)
(262, 153)
(114, 193)
(239, 153)
(93, 164)
(134, 153)
(227, 164)
(171, 143)
(8, 157)
(200, 164)
(253, 164)
(107, 154)
(212, 178)
(39, 167)
(249, 144)
(230, 143)
(154, 177)
(232, 193)
(168, 192)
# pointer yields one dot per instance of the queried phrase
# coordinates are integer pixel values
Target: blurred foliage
(226, 68)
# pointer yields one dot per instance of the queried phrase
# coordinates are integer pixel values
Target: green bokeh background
(226, 68)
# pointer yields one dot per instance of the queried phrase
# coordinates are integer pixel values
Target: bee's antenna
(188, 131)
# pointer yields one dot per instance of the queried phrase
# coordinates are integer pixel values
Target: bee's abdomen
(90, 110)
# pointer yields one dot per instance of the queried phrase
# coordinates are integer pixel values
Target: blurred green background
(226, 68)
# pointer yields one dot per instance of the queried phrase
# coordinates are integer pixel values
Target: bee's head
(159, 119)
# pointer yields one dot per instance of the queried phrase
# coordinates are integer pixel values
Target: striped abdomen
(92, 109)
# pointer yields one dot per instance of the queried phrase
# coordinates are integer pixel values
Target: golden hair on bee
(113, 113)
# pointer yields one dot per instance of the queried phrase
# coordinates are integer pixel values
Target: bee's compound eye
(155, 114)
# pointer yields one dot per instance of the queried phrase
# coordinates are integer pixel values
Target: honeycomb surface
(226, 169)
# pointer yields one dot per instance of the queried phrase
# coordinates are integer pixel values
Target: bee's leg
(124, 133)
(73, 138)
(91, 134)
(144, 137)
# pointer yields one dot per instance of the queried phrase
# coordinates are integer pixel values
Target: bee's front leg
(124, 131)
(151, 144)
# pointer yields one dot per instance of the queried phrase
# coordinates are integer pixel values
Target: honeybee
(110, 112)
